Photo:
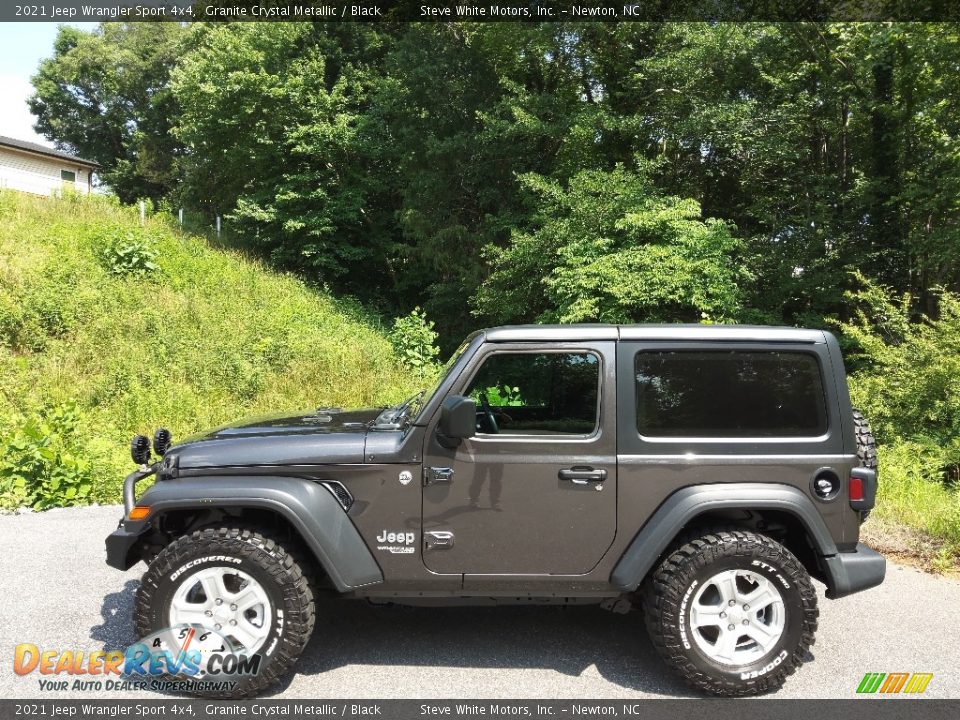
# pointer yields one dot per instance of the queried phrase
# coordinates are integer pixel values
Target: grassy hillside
(108, 329)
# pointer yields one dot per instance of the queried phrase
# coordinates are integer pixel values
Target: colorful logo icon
(913, 683)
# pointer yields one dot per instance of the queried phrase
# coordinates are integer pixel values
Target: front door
(534, 492)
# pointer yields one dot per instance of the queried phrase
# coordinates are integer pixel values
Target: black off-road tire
(262, 558)
(670, 588)
(866, 448)
(866, 444)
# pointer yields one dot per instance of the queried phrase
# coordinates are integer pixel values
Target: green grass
(913, 494)
(207, 337)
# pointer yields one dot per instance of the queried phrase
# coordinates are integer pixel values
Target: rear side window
(735, 394)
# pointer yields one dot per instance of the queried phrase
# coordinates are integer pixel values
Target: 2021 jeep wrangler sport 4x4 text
(700, 473)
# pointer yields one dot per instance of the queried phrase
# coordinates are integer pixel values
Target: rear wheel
(240, 588)
(732, 612)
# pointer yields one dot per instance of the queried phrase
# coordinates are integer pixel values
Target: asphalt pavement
(57, 592)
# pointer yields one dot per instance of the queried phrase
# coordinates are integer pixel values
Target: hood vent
(323, 414)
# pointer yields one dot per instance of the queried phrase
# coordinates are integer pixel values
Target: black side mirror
(458, 420)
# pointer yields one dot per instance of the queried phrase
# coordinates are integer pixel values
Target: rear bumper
(851, 572)
(120, 548)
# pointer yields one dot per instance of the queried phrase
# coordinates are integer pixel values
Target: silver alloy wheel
(227, 600)
(737, 617)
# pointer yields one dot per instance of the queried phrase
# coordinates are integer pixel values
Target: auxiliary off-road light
(139, 512)
(161, 441)
(140, 449)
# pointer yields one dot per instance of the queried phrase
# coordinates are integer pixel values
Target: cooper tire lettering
(764, 670)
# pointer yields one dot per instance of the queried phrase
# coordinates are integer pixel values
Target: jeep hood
(316, 437)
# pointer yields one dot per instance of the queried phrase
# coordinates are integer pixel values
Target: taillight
(862, 490)
(855, 488)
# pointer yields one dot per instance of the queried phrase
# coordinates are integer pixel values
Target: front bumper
(120, 547)
(851, 572)
(121, 542)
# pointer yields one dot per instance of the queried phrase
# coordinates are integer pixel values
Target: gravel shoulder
(59, 594)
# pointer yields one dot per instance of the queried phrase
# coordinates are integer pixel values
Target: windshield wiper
(402, 411)
(399, 413)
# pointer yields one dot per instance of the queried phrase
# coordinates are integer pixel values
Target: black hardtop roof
(677, 332)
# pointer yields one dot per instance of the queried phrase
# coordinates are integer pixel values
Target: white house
(33, 168)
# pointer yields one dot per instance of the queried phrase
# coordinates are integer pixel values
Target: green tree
(105, 95)
(608, 247)
(906, 378)
(826, 144)
(279, 142)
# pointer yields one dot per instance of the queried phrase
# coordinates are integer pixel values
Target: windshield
(404, 413)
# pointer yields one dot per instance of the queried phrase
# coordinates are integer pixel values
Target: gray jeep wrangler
(700, 473)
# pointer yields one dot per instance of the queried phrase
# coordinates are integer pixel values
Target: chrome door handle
(438, 538)
(582, 475)
(433, 475)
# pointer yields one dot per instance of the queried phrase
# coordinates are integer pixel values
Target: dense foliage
(95, 346)
(107, 94)
(907, 383)
(607, 247)
(911, 368)
(781, 173)
(417, 164)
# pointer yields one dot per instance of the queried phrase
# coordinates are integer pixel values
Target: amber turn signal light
(139, 512)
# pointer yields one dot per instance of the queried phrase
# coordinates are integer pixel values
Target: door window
(526, 393)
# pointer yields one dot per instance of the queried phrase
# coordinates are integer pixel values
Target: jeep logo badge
(398, 543)
(396, 537)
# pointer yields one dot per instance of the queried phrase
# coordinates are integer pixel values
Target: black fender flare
(685, 504)
(308, 506)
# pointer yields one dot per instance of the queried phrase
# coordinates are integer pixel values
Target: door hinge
(433, 475)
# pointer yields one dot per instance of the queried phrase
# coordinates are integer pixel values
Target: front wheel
(733, 612)
(226, 591)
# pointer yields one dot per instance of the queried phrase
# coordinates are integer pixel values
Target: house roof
(38, 149)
